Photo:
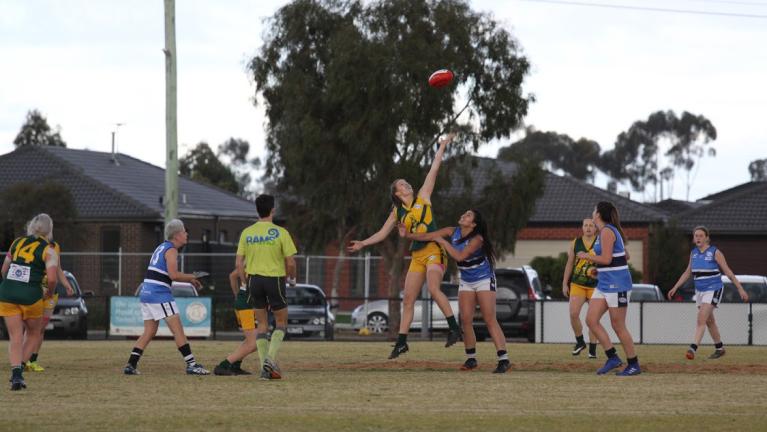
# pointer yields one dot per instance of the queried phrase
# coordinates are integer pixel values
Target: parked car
(309, 313)
(378, 312)
(516, 288)
(516, 291)
(755, 286)
(70, 316)
(645, 292)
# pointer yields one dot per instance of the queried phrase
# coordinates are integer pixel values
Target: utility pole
(170, 200)
(114, 150)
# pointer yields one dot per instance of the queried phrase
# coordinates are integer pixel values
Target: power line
(649, 9)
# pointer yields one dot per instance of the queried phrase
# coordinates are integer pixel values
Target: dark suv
(517, 289)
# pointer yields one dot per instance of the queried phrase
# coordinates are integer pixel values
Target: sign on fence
(125, 316)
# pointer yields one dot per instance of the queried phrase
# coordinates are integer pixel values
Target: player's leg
(618, 323)
(413, 282)
(705, 311)
(14, 326)
(32, 364)
(487, 299)
(467, 302)
(150, 330)
(177, 329)
(597, 308)
(577, 299)
(434, 273)
(713, 330)
(231, 364)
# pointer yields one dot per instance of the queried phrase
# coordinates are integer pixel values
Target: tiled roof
(672, 207)
(564, 200)
(129, 189)
(741, 210)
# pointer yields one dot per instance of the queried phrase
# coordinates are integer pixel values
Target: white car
(646, 292)
(378, 312)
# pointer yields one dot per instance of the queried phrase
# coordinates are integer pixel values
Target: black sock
(593, 349)
(471, 352)
(237, 364)
(401, 339)
(502, 355)
(33, 357)
(634, 360)
(719, 346)
(186, 351)
(16, 371)
(611, 353)
(453, 324)
(693, 347)
(135, 355)
(579, 340)
(225, 364)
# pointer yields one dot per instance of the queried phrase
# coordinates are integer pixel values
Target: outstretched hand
(447, 139)
(355, 246)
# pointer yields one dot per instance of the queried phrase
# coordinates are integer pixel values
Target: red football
(441, 78)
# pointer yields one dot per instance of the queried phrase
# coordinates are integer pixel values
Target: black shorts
(267, 291)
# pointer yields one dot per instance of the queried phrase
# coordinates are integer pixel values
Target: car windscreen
(183, 291)
(757, 292)
(62, 292)
(301, 296)
(515, 281)
(643, 294)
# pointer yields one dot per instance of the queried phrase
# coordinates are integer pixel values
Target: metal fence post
(543, 329)
(107, 314)
(306, 273)
(367, 285)
(641, 322)
(120, 271)
(750, 323)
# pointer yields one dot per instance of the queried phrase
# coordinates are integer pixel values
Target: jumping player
(578, 284)
(428, 258)
(157, 302)
(706, 266)
(473, 251)
(613, 286)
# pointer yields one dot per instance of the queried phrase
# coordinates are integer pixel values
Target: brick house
(119, 204)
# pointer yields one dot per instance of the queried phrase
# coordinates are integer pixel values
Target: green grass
(337, 386)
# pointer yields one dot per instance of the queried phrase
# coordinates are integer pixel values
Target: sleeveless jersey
(417, 219)
(705, 269)
(23, 283)
(474, 268)
(582, 267)
(157, 282)
(614, 277)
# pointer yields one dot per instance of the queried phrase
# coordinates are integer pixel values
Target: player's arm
(686, 275)
(568, 270)
(51, 269)
(431, 177)
(291, 270)
(719, 256)
(234, 281)
(607, 237)
(474, 244)
(388, 226)
(430, 236)
(6, 264)
(171, 258)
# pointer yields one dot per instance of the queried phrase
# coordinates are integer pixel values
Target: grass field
(337, 386)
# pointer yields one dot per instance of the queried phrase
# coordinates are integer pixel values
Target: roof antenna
(114, 132)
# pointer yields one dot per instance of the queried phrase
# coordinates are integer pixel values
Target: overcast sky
(87, 65)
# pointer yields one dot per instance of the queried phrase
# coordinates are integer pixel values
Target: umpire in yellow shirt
(265, 261)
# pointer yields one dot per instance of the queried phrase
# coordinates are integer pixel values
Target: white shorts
(158, 311)
(708, 297)
(619, 299)
(480, 285)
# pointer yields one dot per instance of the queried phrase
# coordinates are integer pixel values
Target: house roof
(565, 199)
(745, 187)
(740, 210)
(129, 189)
(672, 207)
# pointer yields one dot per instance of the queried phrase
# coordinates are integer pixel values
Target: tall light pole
(171, 140)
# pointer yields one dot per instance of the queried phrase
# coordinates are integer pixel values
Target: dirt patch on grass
(591, 367)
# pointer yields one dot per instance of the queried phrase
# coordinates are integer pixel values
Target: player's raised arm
(431, 177)
(388, 226)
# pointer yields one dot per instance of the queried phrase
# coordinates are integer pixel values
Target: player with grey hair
(29, 262)
(157, 302)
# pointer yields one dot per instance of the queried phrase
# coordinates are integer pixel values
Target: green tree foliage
(344, 88)
(669, 252)
(758, 170)
(235, 151)
(578, 159)
(636, 156)
(36, 132)
(202, 165)
(551, 270)
(23, 200)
